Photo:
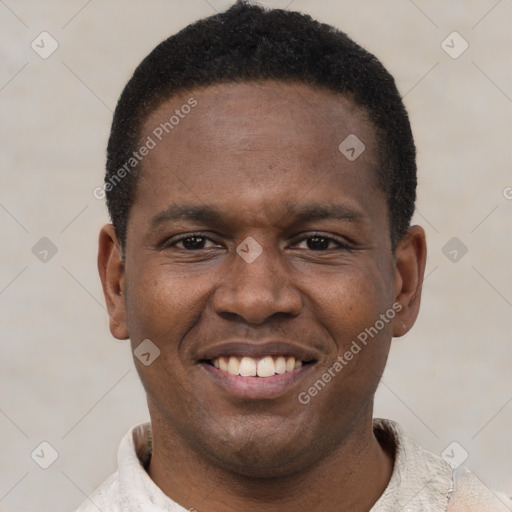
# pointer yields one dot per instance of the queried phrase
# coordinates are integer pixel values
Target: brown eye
(192, 243)
(318, 243)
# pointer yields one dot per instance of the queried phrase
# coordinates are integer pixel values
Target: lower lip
(257, 388)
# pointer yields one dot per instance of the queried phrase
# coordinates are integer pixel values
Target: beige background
(64, 380)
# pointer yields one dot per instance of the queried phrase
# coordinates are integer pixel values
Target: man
(261, 181)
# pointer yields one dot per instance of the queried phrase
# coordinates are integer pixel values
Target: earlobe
(410, 259)
(111, 270)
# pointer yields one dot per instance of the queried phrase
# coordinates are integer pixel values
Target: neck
(352, 477)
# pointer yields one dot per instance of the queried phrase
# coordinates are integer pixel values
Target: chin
(256, 463)
(262, 453)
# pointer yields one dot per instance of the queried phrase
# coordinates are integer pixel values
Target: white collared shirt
(421, 481)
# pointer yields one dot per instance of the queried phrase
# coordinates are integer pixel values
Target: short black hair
(249, 43)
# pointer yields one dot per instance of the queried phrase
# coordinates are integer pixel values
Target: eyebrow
(314, 212)
(186, 212)
(298, 214)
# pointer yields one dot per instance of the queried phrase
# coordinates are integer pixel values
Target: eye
(318, 242)
(193, 243)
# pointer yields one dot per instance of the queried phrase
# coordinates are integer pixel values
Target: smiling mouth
(263, 367)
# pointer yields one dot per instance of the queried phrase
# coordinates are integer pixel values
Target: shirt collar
(420, 480)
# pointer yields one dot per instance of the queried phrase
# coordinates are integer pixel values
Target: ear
(410, 259)
(111, 269)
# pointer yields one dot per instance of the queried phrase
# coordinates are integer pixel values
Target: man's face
(252, 235)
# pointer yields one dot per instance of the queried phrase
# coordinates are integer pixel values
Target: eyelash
(341, 244)
(173, 242)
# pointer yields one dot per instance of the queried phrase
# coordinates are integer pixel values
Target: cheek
(350, 308)
(352, 301)
(163, 309)
(162, 305)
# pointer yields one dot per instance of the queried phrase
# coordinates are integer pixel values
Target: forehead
(258, 141)
(297, 111)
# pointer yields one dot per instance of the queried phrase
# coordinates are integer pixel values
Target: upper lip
(257, 349)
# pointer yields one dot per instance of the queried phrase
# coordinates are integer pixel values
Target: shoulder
(470, 494)
(105, 497)
(422, 480)
(130, 483)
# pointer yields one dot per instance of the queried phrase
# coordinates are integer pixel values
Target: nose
(257, 291)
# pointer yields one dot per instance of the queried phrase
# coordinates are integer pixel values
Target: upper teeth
(250, 367)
